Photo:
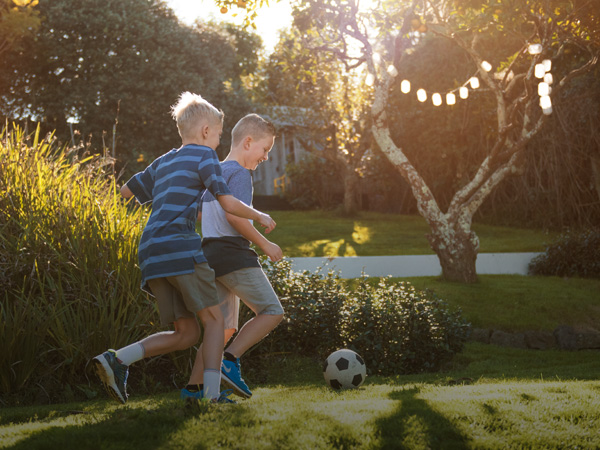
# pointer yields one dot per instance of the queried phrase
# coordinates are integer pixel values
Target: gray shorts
(184, 295)
(252, 286)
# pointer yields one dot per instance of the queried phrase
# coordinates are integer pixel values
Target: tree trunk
(595, 160)
(350, 184)
(457, 252)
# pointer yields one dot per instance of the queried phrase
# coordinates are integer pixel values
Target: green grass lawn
(490, 398)
(323, 233)
(519, 303)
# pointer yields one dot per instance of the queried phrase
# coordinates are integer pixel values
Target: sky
(268, 23)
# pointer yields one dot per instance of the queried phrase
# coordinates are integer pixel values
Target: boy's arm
(246, 229)
(126, 192)
(238, 208)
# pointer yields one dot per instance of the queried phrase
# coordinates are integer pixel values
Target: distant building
(292, 125)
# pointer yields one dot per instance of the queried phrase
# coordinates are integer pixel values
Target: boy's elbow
(126, 192)
(225, 202)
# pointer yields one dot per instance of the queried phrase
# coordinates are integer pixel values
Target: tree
(118, 66)
(296, 75)
(18, 21)
(562, 32)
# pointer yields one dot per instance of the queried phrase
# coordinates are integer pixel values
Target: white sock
(212, 383)
(130, 354)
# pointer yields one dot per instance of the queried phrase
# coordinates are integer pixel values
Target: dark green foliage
(573, 254)
(97, 61)
(395, 328)
(315, 183)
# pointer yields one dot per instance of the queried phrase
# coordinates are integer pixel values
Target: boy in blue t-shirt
(226, 244)
(173, 266)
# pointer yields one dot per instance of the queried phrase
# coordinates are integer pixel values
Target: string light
(405, 86)
(370, 79)
(543, 89)
(540, 70)
(547, 65)
(545, 102)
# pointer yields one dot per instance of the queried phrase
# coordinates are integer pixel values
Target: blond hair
(191, 110)
(251, 125)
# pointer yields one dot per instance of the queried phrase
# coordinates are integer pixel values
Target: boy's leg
(253, 332)
(212, 350)
(112, 366)
(195, 386)
(252, 286)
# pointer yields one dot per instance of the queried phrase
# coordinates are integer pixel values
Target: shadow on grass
(124, 428)
(414, 424)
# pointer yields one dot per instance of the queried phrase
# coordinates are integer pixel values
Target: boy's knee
(188, 336)
(212, 316)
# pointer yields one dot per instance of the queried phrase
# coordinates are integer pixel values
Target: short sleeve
(240, 184)
(212, 176)
(142, 183)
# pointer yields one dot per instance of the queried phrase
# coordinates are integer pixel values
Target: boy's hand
(266, 221)
(272, 251)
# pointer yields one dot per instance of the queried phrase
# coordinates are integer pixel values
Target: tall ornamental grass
(68, 255)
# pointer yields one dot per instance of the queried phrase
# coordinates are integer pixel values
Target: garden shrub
(573, 254)
(68, 268)
(394, 327)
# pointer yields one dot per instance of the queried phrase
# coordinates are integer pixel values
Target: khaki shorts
(184, 295)
(252, 286)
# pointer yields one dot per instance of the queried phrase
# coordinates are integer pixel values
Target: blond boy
(226, 244)
(174, 268)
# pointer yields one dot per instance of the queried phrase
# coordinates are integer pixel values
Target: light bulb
(474, 81)
(547, 64)
(421, 95)
(486, 66)
(392, 71)
(548, 78)
(540, 71)
(545, 102)
(436, 99)
(370, 79)
(405, 86)
(547, 111)
(535, 49)
(450, 98)
(463, 92)
(543, 89)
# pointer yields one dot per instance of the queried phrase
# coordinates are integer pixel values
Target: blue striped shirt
(174, 183)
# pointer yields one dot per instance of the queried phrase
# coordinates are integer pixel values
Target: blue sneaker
(196, 399)
(224, 397)
(112, 374)
(185, 394)
(232, 375)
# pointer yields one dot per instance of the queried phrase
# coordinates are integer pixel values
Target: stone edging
(564, 337)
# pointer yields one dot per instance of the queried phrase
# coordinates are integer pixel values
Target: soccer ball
(344, 369)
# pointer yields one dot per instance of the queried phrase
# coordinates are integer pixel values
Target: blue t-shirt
(227, 250)
(174, 183)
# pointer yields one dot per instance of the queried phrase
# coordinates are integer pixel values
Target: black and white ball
(344, 369)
